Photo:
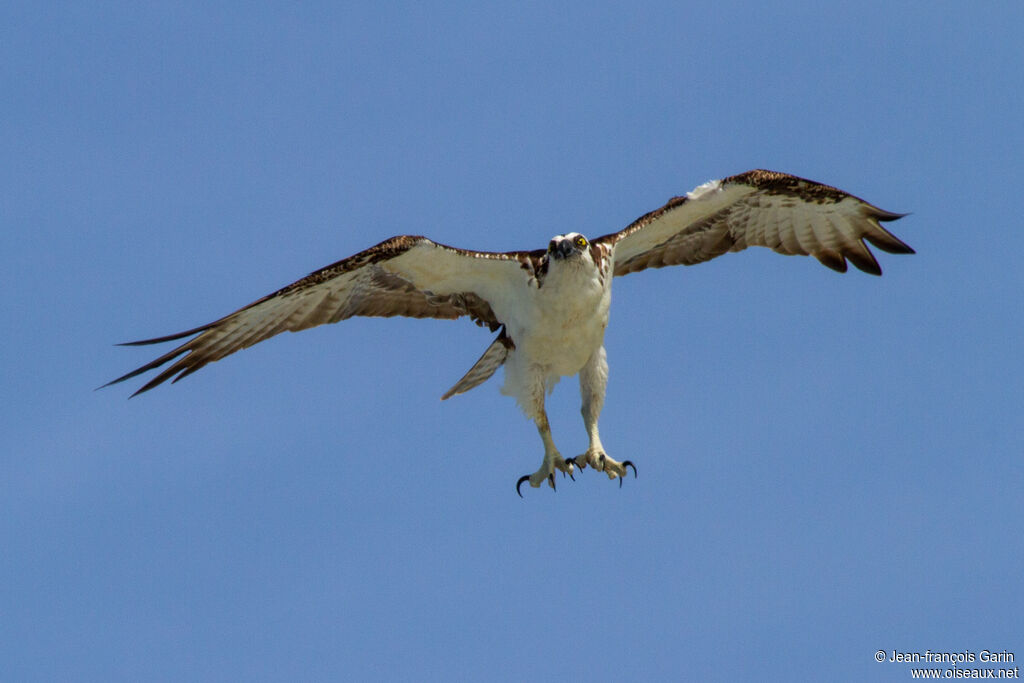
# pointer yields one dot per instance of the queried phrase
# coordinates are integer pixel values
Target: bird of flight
(550, 306)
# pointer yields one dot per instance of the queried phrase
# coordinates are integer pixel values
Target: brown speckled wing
(787, 214)
(404, 276)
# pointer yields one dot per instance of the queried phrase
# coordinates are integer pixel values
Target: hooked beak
(563, 249)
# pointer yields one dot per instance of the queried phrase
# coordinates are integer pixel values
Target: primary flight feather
(549, 306)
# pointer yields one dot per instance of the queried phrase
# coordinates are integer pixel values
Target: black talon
(519, 483)
(551, 480)
(625, 464)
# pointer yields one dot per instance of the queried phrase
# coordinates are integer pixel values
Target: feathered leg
(534, 408)
(593, 380)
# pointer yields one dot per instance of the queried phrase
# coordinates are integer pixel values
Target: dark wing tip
(883, 215)
(832, 259)
(896, 246)
(167, 357)
(885, 240)
(147, 367)
(864, 260)
(170, 337)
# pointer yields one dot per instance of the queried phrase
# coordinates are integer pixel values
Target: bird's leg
(593, 380)
(552, 458)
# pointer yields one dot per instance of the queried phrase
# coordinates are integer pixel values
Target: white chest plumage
(561, 323)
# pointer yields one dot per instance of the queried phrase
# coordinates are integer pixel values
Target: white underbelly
(561, 347)
(564, 326)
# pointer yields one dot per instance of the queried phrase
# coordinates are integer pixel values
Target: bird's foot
(600, 461)
(552, 462)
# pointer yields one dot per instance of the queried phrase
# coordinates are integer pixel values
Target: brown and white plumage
(370, 283)
(759, 208)
(551, 306)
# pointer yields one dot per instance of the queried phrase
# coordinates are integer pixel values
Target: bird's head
(570, 246)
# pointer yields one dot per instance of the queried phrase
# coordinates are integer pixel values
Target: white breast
(562, 322)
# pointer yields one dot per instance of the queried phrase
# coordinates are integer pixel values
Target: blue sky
(829, 464)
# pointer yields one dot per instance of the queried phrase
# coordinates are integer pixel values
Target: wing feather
(787, 214)
(404, 276)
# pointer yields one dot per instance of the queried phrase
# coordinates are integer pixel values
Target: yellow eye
(581, 241)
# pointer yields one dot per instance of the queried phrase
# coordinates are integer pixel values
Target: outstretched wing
(406, 275)
(787, 214)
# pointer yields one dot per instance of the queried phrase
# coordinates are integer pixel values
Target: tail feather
(493, 358)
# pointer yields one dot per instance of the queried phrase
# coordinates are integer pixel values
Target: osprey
(550, 306)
